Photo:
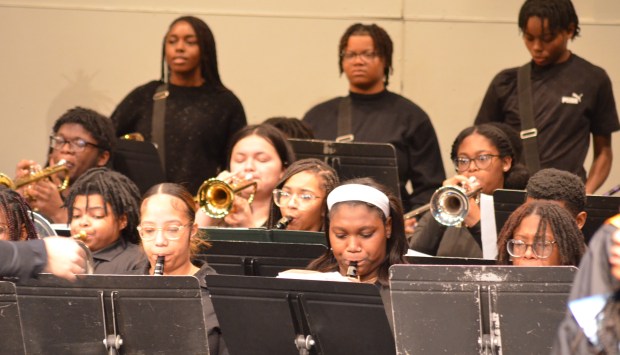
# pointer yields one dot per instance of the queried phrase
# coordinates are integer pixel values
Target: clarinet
(159, 266)
(352, 270)
(283, 222)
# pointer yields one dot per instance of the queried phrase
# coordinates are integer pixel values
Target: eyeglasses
(149, 232)
(283, 198)
(518, 248)
(482, 161)
(78, 144)
(365, 56)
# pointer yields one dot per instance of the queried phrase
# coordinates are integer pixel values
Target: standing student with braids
(572, 99)
(301, 195)
(103, 204)
(201, 114)
(540, 233)
(379, 115)
(485, 153)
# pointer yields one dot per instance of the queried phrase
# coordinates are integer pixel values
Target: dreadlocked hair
(396, 246)
(561, 15)
(382, 43)
(568, 237)
(558, 185)
(326, 175)
(17, 214)
(197, 242)
(208, 54)
(98, 125)
(516, 177)
(117, 190)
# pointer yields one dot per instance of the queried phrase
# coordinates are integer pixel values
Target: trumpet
(38, 175)
(90, 262)
(449, 205)
(215, 197)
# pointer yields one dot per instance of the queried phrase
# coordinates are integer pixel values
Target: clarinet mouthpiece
(159, 266)
(283, 222)
(352, 270)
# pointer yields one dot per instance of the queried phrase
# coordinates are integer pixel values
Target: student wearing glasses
(379, 115)
(483, 157)
(168, 229)
(540, 233)
(82, 138)
(301, 196)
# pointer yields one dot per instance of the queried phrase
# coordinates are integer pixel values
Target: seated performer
(258, 153)
(15, 221)
(365, 232)
(301, 196)
(170, 235)
(486, 154)
(540, 233)
(103, 212)
(82, 138)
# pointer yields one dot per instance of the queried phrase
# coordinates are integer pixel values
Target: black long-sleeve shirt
(387, 117)
(22, 259)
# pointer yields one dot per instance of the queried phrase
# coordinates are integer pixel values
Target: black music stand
(140, 162)
(599, 209)
(259, 259)
(478, 309)
(353, 159)
(270, 316)
(445, 260)
(151, 315)
(264, 235)
(11, 341)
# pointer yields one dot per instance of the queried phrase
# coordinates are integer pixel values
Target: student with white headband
(364, 227)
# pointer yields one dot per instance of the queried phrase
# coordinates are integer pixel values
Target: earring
(388, 236)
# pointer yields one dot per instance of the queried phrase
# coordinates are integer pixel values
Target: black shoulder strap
(344, 121)
(526, 113)
(158, 122)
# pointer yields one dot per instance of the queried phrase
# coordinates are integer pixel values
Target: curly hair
(98, 125)
(326, 174)
(17, 214)
(568, 237)
(396, 245)
(558, 185)
(117, 190)
(382, 43)
(561, 15)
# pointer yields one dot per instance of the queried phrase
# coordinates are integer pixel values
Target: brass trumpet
(38, 175)
(215, 197)
(449, 205)
(90, 262)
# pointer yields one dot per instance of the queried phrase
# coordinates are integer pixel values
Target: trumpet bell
(449, 205)
(215, 197)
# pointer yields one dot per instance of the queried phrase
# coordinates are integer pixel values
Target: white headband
(358, 192)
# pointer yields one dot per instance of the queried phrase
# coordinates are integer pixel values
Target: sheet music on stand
(266, 316)
(478, 309)
(100, 314)
(353, 159)
(140, 162)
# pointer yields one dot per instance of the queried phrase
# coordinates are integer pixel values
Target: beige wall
(279, 57)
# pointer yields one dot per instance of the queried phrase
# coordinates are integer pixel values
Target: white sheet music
(487, 227)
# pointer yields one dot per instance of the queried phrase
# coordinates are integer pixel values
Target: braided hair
(568, 236)
(117, 190)
(396, 246)
(327, 176)
(17, 214)
(208, 54)
(561, 15)
(382, 43)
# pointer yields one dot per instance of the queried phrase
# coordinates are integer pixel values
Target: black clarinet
(352, 270)
(159, 266)
(283, 222)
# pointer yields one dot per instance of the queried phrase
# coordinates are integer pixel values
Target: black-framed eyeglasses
(78, 144)
(282, 198)
(518, 248)
(365, 56)
(482, 161)
(149, 232)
